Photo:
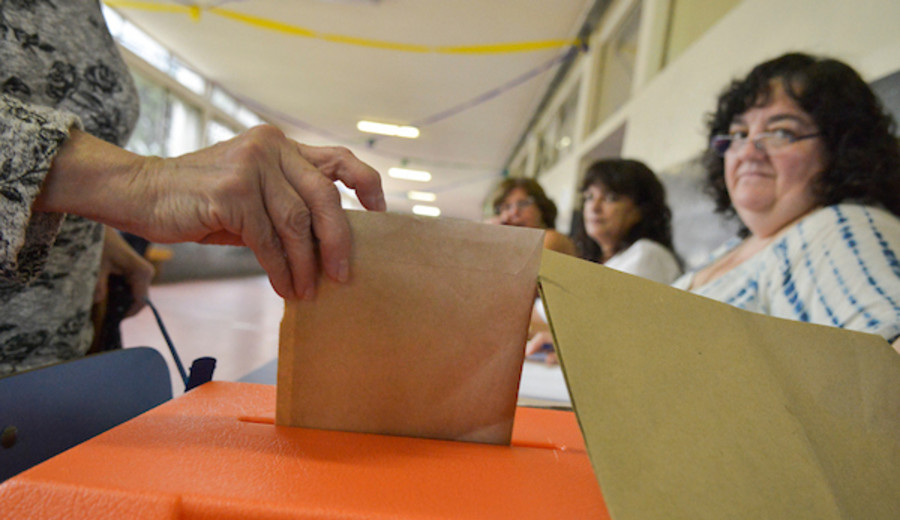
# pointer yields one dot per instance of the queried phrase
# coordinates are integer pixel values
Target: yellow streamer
(293, 30)
(148, 6)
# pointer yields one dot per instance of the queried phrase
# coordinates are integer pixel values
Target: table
(540, 385)
(216, 453)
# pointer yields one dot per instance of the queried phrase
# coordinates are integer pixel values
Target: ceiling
(316, 67)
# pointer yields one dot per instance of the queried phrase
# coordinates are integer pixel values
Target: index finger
(329, 222)
(339, 163)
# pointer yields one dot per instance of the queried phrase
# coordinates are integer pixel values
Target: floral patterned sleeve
(30, 137)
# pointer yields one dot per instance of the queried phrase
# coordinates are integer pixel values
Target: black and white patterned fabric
(59, 69)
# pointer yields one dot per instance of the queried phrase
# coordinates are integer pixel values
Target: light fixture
(372, 127)
(409, 175)
(427, 211)
(422, 196)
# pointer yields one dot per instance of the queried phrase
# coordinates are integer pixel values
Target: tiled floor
(234, 320)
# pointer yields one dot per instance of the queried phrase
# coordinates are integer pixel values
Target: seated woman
(522, 202)
(627, 224)
(802, 153)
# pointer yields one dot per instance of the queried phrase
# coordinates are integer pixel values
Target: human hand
(260, 189)
(271, 194)
(119, 258)
(538, 343)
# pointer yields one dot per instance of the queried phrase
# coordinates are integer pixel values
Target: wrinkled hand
(119, 258)
(260, 189)
(267, 192)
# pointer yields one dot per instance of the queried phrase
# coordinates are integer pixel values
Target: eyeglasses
(767, 142)
(509, 206)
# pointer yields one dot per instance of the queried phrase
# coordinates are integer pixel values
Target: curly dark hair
(863, 153)
(534, 190)
(632, 179)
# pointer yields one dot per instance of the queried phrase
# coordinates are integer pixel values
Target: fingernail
(310, 294)
(342, 270)
(377, 203)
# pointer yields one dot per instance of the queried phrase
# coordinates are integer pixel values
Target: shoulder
(650, 247)
(853, 240)
(646, 250)
(556, 241)
(648, 259)
(840, 219)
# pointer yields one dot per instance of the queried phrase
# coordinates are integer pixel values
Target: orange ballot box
(215, 453)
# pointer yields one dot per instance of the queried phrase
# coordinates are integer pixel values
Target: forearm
(256, 190)
(88, 177)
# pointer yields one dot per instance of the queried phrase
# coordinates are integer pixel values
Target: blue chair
(48, 410)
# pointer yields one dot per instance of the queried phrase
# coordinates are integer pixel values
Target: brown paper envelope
(695, 409)
(427, 339)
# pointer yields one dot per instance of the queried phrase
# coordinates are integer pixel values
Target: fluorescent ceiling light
(409, 175)
(428, 211)
(423, 196)
(372, 127)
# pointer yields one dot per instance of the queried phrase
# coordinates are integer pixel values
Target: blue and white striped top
(837, 266)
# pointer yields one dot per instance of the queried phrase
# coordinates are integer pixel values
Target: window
(518, 167)
(546, 152)
(187, 77)
(565, 123)
(136, 40)
(168, 126)
(148, 49)
(617, 68)
(149, 135)
(224, 102)
(180, 114)
(184, 127)
(688, 20)
(247, 117)
(217, 131)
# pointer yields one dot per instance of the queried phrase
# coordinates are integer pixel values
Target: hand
(537, 344)
(260, 189)
(119, 258)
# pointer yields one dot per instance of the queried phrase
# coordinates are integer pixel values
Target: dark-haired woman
(521, 201)
(627, 224)
(803, 154)
(627, 227)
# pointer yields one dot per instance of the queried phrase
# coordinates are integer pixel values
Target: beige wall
(690, 19)
(665, 118)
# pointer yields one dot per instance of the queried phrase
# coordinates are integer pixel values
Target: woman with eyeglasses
(802, 152)
(627, 224)
(522, 202)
